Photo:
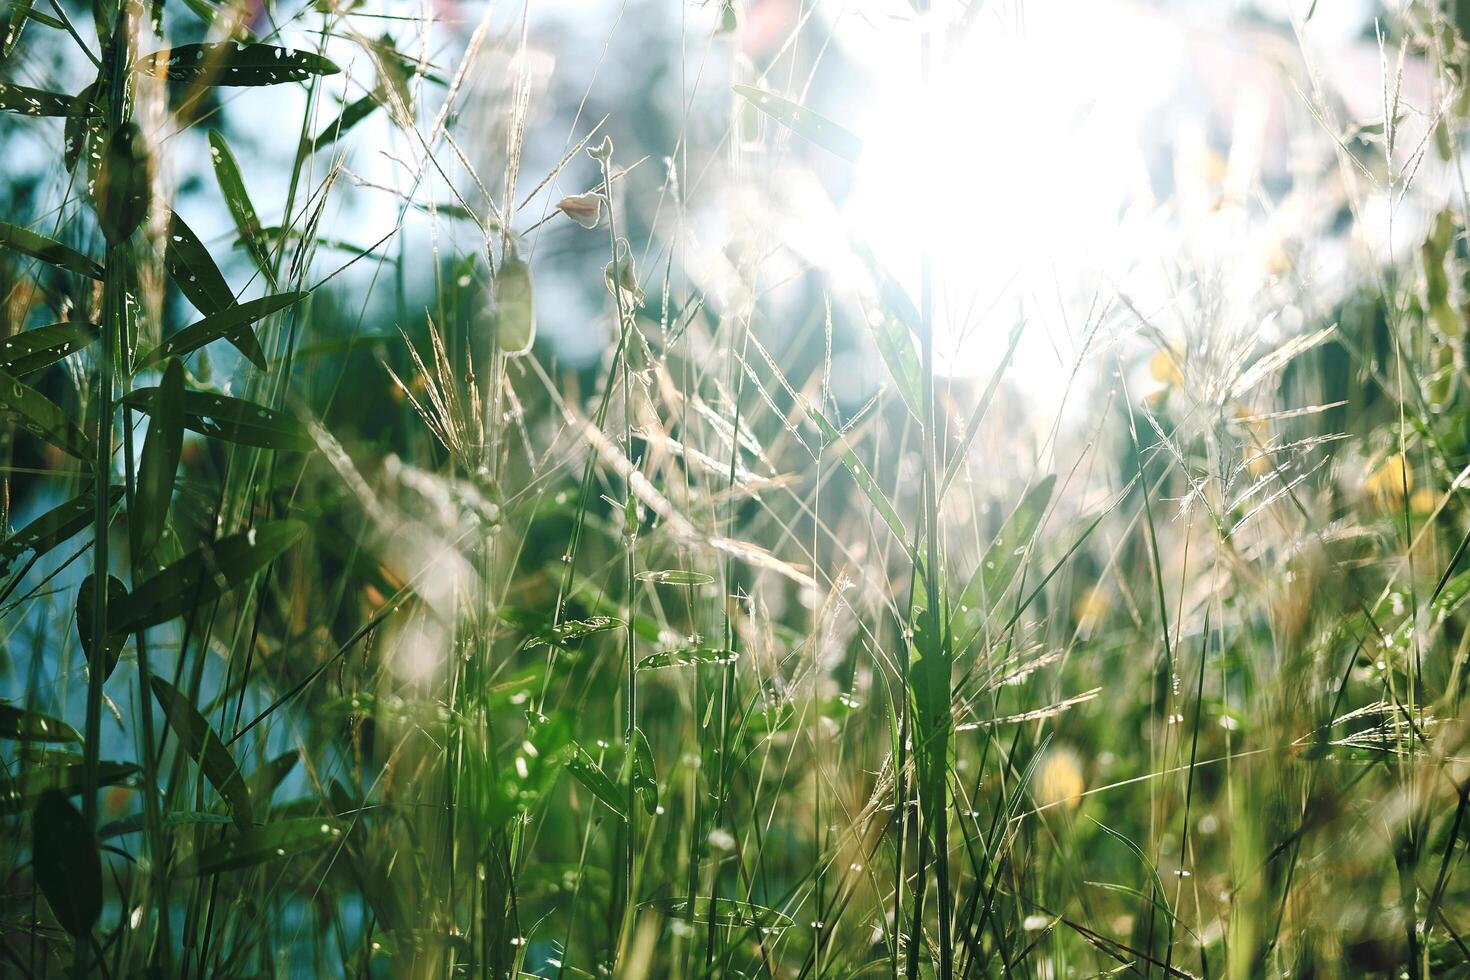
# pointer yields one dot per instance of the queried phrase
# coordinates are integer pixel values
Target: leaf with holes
(67, 864)
(642, 773)
(21, 725)
(41, 417)
(805, 123)
(204, 575)
(587, 772)
(688, 657)
(41, 347)
(48, 250)
(676, 576)
(233, 63)
(237, 198)
(260, 845)
(232, 419)
(55, 526)
(32, 101)
(193, 269)
(205, 748)
(232, 324)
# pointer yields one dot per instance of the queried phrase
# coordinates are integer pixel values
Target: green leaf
(32, 101)
(32, 726)
(598, 783)
(49, 250)
(352, 114)
(688, 657)
(232, 63)
(676, 576)
(805, 123)
(264, 781)
(205, 574)
(43, 346)
(567, 631)
(20, 12)
(68, 866)
(55, 526)
(83, 122)
(860, 475)
(41, 417)
(122, 191)
(532, 770)
(237, 198)
(193, 269)
(515, 307)
(205, 748)
(259, 845)
(117, 596)
(232, 324)
(19, 793)
(232, 419)
(159, 464)
(643, 774)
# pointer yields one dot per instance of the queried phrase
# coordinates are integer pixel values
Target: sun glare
(1019, 172)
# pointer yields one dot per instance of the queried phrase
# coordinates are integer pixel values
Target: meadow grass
(351, 631)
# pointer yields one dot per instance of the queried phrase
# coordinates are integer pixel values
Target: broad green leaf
(804, 123)
(32, 101)
(261, 845)
(531, 771)
(136, 823)
(193, 269)
(43, 346)
(232, 324)
(49, 250)
(32, 726)
(158, 466)
(264, 781)
(642, 772)
(688, 657)
(676, 576)
(55, 526)
(587, 772)
(205, 748)
(237, 198)
(20, 792)
(515, 307)
(567, 631)
(41, 417)
(352, 114)
(122, 191)
(234, 63)
(67, 864)
(117, 596)
(232, 419)
(204, 575)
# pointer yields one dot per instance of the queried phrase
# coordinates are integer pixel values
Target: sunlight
(1022, 172)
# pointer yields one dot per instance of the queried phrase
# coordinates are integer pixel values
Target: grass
(352, 628)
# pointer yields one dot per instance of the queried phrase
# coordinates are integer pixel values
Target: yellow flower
(1165, 367)
(1423, 501)
(1389, 481)
(1060, 779)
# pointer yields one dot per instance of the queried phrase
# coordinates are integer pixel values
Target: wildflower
(1060, 780)
(1387, 484)
(584, 209)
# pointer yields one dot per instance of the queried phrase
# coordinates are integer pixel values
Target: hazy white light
(1019, 171)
